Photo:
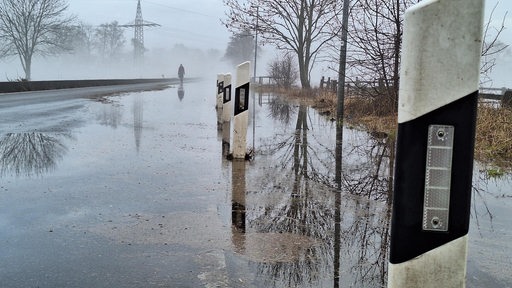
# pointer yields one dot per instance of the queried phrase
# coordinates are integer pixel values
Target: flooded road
(134, 190)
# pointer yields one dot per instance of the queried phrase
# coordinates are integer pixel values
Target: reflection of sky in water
(490, 249)
(141, 176)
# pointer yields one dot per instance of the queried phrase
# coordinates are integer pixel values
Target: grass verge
(493, 145)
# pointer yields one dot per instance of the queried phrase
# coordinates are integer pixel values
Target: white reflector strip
(438, 177)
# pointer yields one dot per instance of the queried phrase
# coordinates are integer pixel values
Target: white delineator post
(226, 100)
(439, 81)
(241, 112)
(226, 116)
(220, 91)
(218, 102)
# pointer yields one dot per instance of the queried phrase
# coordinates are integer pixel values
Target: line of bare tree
(302, 27)
(310, 30)
(30, 28)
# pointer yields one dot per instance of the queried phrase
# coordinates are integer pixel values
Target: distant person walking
(181, 73)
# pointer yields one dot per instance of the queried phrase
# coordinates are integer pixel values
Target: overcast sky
(194, 23)
(501, 75)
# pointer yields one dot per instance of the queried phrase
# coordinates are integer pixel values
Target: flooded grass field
(134, 190)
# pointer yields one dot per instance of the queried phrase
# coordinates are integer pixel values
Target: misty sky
(503, 12)
(196, 24)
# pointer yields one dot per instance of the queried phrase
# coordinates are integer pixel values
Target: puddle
(135, 190)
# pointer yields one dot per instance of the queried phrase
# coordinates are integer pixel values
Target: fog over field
(191, 34)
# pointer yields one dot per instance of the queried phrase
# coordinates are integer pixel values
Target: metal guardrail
(494, 93)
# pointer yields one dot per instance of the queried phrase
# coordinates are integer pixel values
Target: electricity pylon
(138, 39)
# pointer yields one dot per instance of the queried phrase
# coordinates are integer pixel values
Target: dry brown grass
(324, 102)
(365, 113)
(493, 143)
(360, 112)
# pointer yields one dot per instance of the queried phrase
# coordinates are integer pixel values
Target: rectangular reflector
(438, 172)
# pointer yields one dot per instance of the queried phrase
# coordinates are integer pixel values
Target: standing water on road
(134, 190)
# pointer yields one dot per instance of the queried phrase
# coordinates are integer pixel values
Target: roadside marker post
(439, 81)
(220, 91)
(226, 138)
(226, 99)
(226, 116)
(241, 113)
(218, 100)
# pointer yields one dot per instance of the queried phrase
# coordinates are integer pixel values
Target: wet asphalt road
(133, 190)
(97, 166)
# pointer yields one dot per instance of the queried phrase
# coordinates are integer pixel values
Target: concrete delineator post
(220, 91)
(241, 112)
(226, 100)
(226, 138)
(434, 162)
(226, 115)
(218, 100)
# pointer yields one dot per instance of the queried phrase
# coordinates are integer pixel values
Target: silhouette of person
(181, 73)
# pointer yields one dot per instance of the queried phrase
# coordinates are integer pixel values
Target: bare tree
(298, 26)
(30, 27)
(80, 39)
(491, 47)
(375, 40)
(240, 47)
(283, 70)
(110, 39)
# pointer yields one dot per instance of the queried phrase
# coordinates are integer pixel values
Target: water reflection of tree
(299, 205)
(138, 117)
(110, 114)
(482, 191)
(30, 153)
(372, 175)
(365, 226)
(305, 216)
(299, 196)
(364, 242)
(298, 152)
(281, 110)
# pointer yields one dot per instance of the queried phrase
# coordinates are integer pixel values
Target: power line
(181, 9)
(138, 26)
